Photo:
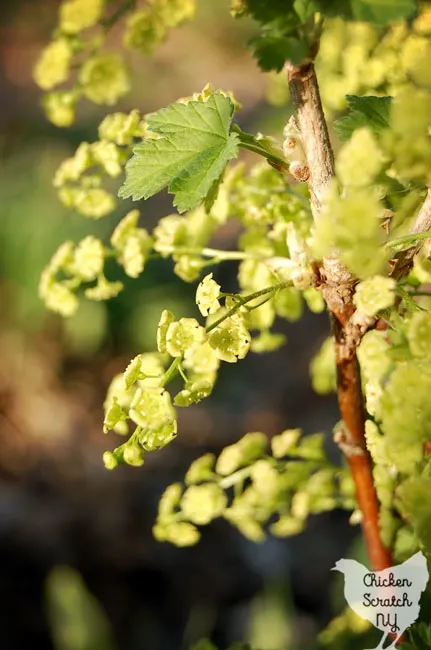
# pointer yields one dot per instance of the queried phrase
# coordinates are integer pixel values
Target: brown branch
(305, 95)
(351, 440)
(338, 289)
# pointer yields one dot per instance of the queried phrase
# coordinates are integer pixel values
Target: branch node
(346, 442)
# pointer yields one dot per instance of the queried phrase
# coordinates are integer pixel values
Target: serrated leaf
(382, 12)
(212, 194)
(190, 155)
(368, 111)
(265, 11)
(305, 9)
(272, 50)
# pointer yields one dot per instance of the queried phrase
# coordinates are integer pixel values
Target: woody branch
(338, 289)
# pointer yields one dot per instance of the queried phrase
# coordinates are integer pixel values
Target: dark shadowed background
(79, 568)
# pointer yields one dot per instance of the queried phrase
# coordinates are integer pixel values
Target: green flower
(152, 410)
(60, 107)
(165, 321)
(121, 128)
(287, 526)
(104, 290)
(89, 258)
(283, 443)
(374, 294)
(113, 416)
(109, 460)
(419, 335)
(201, 359)
(108, 155)
(350, 223)
(249, 448)
(193, 393)
(57, 296)
(182, 335)
(406, 413)
(288, 304)
(230, 340)
(170, 501)
(267, 342)
(246, 524)
(207, 295)
(135, 252)
(265, 479)
(322, 369)
(53, 65)
(94, 203)
(360, 159)
(144, 30)
(72, 168)
(133, 454)
(153, 369)
(171, 231)
(203, 503)
(314, 299)
(180, 533)
(188, 267)
(374, 355)
(133, 372)
(127, 226)
(76, 15)
(104, 78)
(175, 12)
(63, 258)
(201, 469)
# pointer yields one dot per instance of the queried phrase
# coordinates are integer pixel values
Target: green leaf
(273, 49)
(280, 38)
(193, 149)
(382, 12)
(335, 8)
(265, 146)
(364, 111)
(265, 11)
(305, 9)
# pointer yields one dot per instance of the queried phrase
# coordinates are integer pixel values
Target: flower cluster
(251, 488)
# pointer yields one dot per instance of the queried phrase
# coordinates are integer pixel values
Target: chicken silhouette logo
(389, 599)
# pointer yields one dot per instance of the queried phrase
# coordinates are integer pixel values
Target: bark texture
(338, 289)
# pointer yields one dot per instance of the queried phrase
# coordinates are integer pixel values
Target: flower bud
(299, 170)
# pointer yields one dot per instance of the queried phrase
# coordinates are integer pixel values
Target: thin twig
(244, 300)
(126, 6)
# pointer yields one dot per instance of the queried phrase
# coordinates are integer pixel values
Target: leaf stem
(252, 143)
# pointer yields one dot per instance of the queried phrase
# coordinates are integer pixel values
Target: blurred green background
(79, 568)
